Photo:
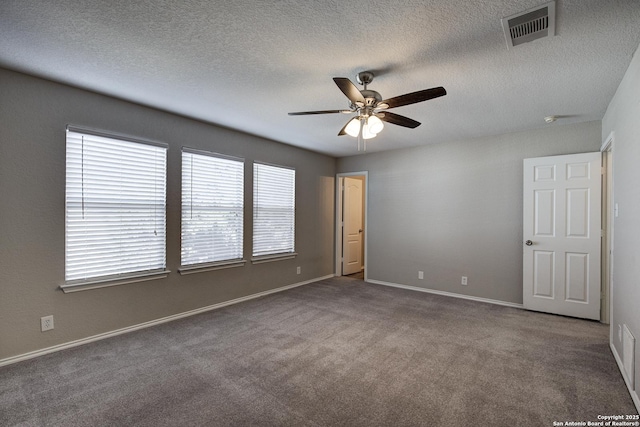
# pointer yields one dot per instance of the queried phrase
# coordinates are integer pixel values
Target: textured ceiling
(245, 63)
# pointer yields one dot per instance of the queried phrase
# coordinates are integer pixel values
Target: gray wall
(623, 118)
(33, 116)
(455, 209)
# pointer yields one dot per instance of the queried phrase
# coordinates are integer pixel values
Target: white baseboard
(76, 343)
(447, 294)
(633, 393)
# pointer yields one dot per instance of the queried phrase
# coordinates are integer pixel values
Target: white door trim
(338, 230)
(607, 147)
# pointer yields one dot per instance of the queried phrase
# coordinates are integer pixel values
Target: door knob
(528, 243)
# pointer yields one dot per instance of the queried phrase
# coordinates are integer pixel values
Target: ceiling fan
(371, 109)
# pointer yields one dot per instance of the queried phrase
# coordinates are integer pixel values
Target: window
(212, 208)
(115, 208)
(273, 210)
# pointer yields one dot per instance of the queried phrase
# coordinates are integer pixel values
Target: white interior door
(561, 256)
(352, 226)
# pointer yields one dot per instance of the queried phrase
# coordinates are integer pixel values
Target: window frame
(211, 265)
(279, 255)
(72, 284)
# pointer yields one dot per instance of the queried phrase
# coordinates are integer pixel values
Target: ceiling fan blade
(349, 89)
(414, 97)
(306, 113)
(397, 119)
(343, 130)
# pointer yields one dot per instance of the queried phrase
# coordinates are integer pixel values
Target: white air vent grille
(629, 355)
(530, 25)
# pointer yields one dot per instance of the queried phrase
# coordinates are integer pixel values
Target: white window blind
(212, 208)
(115, 207)
(273, 209)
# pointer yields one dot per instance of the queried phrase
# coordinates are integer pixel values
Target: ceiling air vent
(530, 25)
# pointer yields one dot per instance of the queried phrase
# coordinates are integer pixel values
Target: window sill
(121, 280)
(201, 268)
(272, 258)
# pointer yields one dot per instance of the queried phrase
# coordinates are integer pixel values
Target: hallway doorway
(351, 219)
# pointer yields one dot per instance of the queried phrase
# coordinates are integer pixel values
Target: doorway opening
(351, 224)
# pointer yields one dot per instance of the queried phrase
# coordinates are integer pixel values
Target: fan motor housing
(371, 97)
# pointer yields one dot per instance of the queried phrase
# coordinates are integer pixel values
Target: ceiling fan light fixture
(366, 132)
(375, 125)
(353, 128)
(370, 108)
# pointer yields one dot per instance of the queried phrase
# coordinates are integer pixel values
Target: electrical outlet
(421, 275)
(464, 281)
(46, 323)
(298, 270)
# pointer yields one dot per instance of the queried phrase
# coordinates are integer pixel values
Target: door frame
(607, 226)
(338, 229)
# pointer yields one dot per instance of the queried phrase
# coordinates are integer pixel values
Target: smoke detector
(530, 25)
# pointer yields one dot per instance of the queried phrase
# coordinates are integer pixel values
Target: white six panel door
(561, 256)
